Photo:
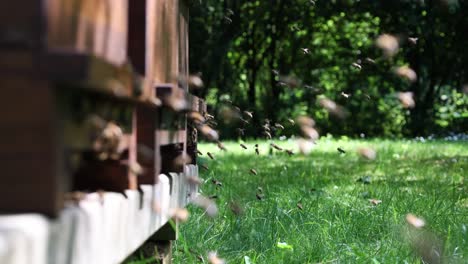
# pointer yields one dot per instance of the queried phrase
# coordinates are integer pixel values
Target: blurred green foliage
(239, 46)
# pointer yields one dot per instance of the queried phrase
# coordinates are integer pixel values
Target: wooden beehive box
(62, 61)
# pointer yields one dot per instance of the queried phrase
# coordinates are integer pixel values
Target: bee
(267, 134)
(236, 208)
(199, 153)
(217, 183)
(375, 201)
(406, 73)
(221, 146)
(208, 132)
(291, 121)
(369, 60)
(290, 152)
(413, 41)
(240, 131)
(276, 147)
(208, 116)
(214, 259)
(245, 122)
(135, 168)
(243, 146)
(193, 180)
(196, 117)
(260, 196)
(310, 133)
(279, 126)
(210, 155)
(406, 99)
(228, 19)
(415, 221)
(275, 72)
(341, 151)
(253, 171)
(256, 149)
(345, 95)
(367, 153)
(305, 50)
(333, 108)
(356, 65)
(299, 205)
(180, 214)
(388, 44)
(248, 114)
(305, 121)
(204, 167)
(206, 204)
(214, 196)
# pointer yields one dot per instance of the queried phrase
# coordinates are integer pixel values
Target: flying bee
(413, 41)
(260, 196)
(305, 121)
(196, 117)
(345, 95)
(179, 214)
(266, 127)
(305, 50)
(134, 167)
(299, 205)
(193, 180)
(367, 153)
(217, 183)
(291, 121)
(388, 44)
(275, 72)
(221, 146)
(199, 152)
(214, 196)
(356, 65)
(406, 73)
(290, 152)
(210, 155)
(243, 146)
(204, 167)
(236, 208)
(240, 131)
(206, 204)
(369, 60)
(245, 122)
(248, 114)
(208, 116)
(214, 259)
(181, 160)
(310, 133)
(267, 134)
(375, 201)
(256, 149)
(341, 151)
(415, 221)
(253, 171)
(208, 132)
(406, 99)
(279, 126)
(228, 19)
(276, 147)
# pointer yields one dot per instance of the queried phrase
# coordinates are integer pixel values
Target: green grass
(338, 224)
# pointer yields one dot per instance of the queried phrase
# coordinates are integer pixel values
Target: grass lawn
(334, 222)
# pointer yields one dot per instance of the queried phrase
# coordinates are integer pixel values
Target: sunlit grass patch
(321, 206)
